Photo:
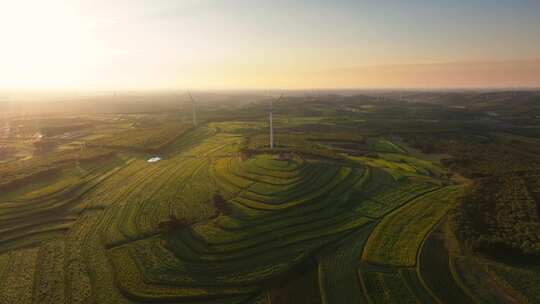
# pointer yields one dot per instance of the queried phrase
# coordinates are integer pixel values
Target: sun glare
(95, 45)
(45, 44)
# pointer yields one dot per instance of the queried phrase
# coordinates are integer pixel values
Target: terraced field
(33, 213)
(281, 212)
(397, 239)
(210, 224)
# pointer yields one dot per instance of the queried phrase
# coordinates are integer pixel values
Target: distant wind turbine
(270, 118)
(193, 107)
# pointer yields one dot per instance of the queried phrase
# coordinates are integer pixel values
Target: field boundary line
(397, 210)
(321, 283)
(459, 282)
(363, 286)
(407, 285)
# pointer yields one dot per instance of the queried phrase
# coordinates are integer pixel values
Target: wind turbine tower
(271, 122)
(271, 126)
(193, 109)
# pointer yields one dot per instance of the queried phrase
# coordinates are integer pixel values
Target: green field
(342, 210)
(397, 239)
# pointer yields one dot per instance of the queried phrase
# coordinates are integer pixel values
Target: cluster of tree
(173, 223)
(475, 155)
(498, 216)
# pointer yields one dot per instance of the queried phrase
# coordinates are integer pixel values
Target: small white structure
(154, 159)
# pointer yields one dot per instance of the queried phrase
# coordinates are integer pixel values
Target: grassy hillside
(351, 206)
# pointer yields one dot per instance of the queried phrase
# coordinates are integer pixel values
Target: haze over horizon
(240, 44)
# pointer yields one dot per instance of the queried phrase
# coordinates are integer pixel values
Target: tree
(221, 205)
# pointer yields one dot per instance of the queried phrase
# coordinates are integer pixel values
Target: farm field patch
(359, 201)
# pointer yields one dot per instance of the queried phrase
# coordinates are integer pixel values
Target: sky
(247, 44)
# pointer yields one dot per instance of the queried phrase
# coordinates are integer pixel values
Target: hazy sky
(221, 44)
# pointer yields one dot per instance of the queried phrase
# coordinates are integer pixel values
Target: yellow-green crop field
(212, 223)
